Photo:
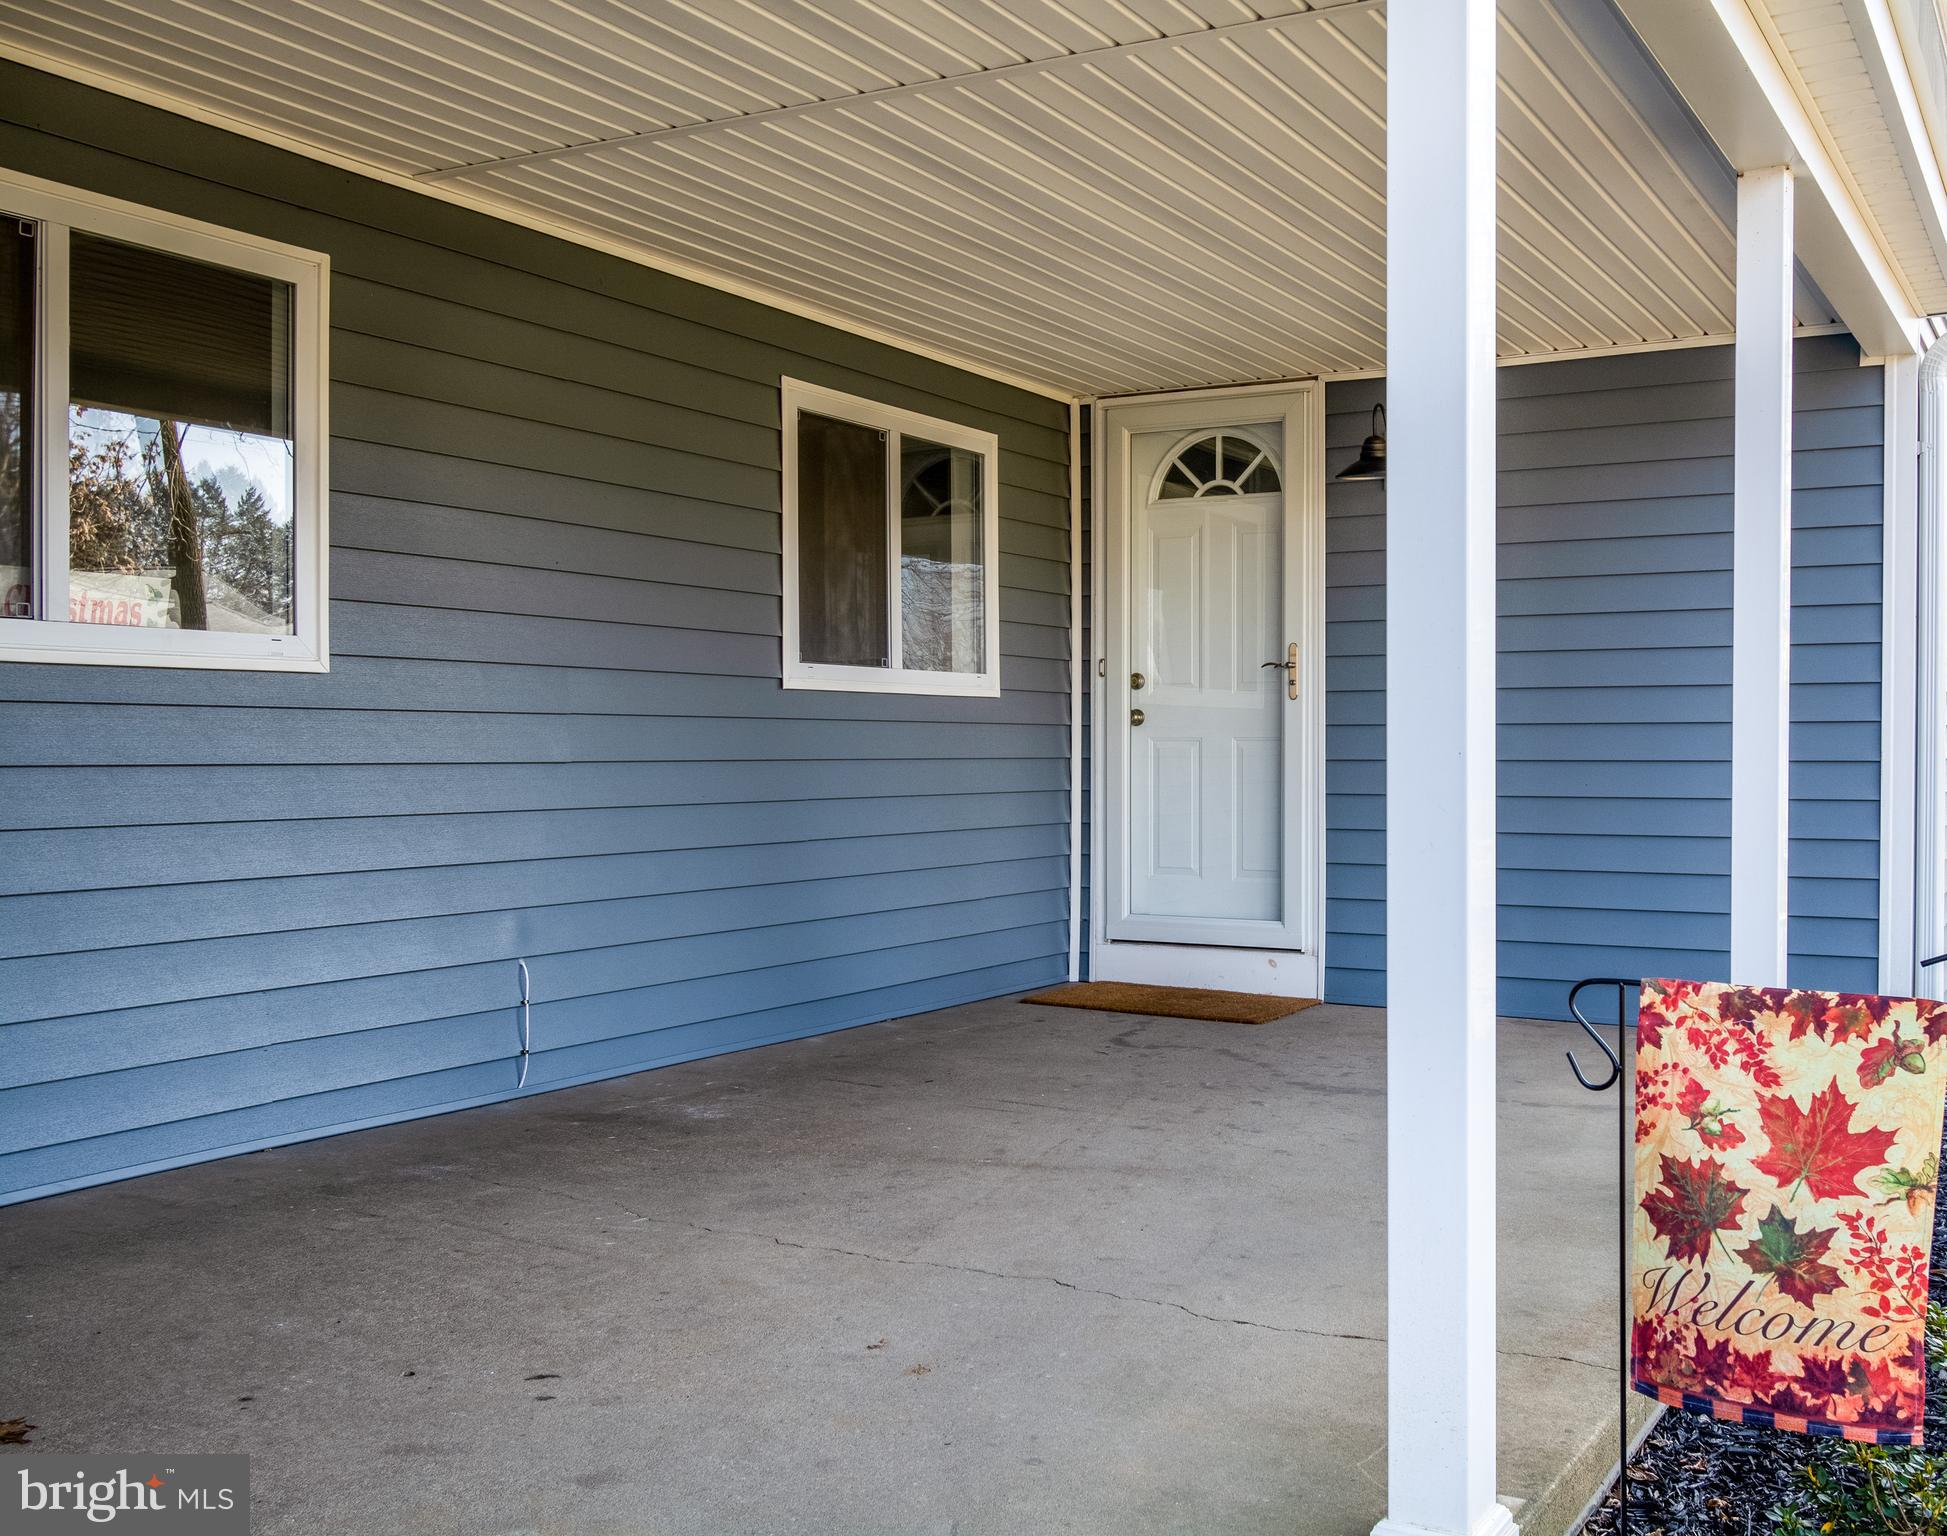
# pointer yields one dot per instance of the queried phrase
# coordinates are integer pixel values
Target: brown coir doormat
(1173, 1002)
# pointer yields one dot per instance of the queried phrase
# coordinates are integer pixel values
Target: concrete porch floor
(1002, 1268)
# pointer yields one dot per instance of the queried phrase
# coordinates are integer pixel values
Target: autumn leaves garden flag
(1787, 1146)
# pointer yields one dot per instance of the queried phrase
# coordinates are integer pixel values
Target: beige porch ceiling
(1099, 195)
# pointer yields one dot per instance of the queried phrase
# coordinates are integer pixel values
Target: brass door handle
(1135, 717)
(1290, 665)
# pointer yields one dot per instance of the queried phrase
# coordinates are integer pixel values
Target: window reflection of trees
(172, 543)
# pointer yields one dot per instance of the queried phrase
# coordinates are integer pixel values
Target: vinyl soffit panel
(1105, 195)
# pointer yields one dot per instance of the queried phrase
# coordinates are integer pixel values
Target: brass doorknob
(1136, 679)
(1135, 717)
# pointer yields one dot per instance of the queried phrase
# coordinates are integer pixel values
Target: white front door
(1209, 707)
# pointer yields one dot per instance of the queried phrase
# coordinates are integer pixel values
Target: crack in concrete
(1364, 1468)
(992, 1274)
(1528, 1354)
(1055, 1280)
(965, 1269)
(564, 1194)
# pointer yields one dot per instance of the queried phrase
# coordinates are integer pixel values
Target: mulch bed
(1695, 1476)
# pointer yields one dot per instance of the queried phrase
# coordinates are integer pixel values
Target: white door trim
(1078, 682)
(1301, 407)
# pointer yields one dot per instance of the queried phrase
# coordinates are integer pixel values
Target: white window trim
(58, 210)
(798, 396)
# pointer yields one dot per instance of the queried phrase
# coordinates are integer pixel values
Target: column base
(1494, 1521)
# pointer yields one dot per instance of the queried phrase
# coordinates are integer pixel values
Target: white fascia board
(1721, 62)
(1922, 34)
(1877, 34)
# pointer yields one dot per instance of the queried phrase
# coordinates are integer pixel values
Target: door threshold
(1279, 972)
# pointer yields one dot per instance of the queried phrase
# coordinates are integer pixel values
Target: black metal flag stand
(1618, 1079)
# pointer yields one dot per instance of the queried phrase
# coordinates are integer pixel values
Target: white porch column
(1761, 578)
(1930, 727)
(1440, 756)
(1899, 668)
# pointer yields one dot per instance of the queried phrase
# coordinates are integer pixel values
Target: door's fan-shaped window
(1221, 464)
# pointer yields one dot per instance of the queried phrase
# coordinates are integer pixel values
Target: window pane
(180, 456)
(1239, 454)
(16, 417)
(1249, 465)
(1200, 459)
(1261, 481)
(942, 576)
(1177, 484)
(841, 542)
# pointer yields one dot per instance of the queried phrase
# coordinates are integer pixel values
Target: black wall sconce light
(1371, 463)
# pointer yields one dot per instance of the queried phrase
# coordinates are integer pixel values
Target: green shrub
(1870, 1490)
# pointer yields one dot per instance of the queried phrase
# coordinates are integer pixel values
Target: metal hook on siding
(527, 1022)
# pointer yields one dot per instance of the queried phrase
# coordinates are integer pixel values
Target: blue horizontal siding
(312, 1112)
(1355, 707)
(241, 909)
(1614, 676)
(591, 994)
